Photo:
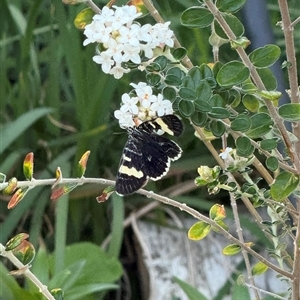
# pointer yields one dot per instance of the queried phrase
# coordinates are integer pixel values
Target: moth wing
(130, 176)
(158, 152)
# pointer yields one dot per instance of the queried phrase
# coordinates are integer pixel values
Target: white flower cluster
(122, 39)
(144, 105)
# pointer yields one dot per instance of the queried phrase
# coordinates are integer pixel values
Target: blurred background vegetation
(59, 104)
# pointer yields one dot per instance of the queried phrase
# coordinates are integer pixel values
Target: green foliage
(56, 103)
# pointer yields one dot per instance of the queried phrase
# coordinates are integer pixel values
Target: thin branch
(257, 80)
(24, 269)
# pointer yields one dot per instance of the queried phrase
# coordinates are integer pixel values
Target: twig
(26, 272)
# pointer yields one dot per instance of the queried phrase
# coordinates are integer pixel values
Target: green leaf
(234, 23)
(232, 73)
(188, 82)
(162, 61)
(196, 17)
(153, 79)
(186, 108)
(203, 90)
(268, 79)
(199, 118)
(11, 131)
(179, 53)
(251, 103)
(195, 74)
(219, 113)
(191, 292)
(290, 112)
(217, 101)
(268, 144)
(270, 95)
(234, 98)
(284, 185)
(272, 163)
(172, 80)
(240, 292)
(232, 249)
(169, 93)
(217, 128)
(80, 292)
(202, 106)
(97, 266)
(259, 268)
(244, 146)
(265, 56)
(261, 124)
(117, 226)
(241, 123)
(199, 231)
(230, 5)
(187, 94)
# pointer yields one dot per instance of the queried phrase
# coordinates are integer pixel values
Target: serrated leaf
(232, 73)
(290, 112)
(265, 56)
(199, 231)
(259, 268)
(196, 17)
(284, 185)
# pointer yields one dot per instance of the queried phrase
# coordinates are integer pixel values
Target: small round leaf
(272, 163)
(268, 144)
(232, 249)
(265, 56)
(229, 5)
(199, 231)
(290, 112)
(232, 73)
(179, 53)
(261, 124)
(241, 123)
(251, 103)
(219, 113)
(186, 108)
(234, 23)
(217, 128)
(196, 17)
(199, 118)
(285, 183)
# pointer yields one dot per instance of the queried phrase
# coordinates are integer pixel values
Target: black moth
(146, 154)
